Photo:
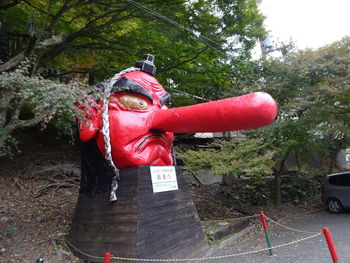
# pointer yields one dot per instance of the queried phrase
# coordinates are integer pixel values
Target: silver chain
(105, 130)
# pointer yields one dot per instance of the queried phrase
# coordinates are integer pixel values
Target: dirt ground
(38, 192)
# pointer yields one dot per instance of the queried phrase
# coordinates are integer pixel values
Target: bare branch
(65, 7)
(51, 15)
(15, 123)
(86, 31)
(36, 8)
(55, 40)
(13, 62)
(16, 60)
(4, 106)
(56, 17)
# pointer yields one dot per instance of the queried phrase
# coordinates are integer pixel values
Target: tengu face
(134, 100)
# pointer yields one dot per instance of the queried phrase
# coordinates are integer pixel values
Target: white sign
(163, 178)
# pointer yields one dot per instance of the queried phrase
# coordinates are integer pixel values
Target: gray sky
(310, 23)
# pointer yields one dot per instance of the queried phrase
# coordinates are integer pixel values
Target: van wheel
(334, 205)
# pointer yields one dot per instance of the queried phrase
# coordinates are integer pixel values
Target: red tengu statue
(135, 99)
(140, 133)
(142, 126)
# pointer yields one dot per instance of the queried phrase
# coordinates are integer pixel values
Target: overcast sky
(310, 23)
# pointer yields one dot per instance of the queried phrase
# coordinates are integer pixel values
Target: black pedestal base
(141, 224)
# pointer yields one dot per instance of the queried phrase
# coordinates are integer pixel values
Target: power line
(200, 37)
(166, 19)
(186, 94)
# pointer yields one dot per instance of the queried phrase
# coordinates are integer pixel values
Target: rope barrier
(290, 228)
(197, 259)
(82, 252)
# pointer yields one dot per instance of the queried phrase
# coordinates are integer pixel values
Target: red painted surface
(144, 136)
(330, 244)
(107, 258)
(263, 220)
(239, 113)
(91, 121)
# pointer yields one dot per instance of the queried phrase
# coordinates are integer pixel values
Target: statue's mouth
(148, 138)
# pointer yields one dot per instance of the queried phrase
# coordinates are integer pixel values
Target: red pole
(267, 234)
(330, 244)
(107, 257)
(263, 220)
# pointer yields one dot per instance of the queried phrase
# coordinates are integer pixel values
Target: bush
(249, 191)
(29, 101)
(8, 144)
(243, 157)
(297, 189)
(248, 159)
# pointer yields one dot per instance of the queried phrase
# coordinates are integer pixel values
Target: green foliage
(298, 189)
(295, 189)
(312, 90)
(250, 191)
(246, 157)
(101, 38)
(210, 239)
(30, 101)
(8, 144)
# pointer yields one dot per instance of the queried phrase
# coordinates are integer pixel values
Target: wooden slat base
(141, 224)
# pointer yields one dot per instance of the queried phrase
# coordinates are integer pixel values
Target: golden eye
(133, 102)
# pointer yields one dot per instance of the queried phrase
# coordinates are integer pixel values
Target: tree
(312, 91)
(113, 33)
(30, 101)
(101, 37)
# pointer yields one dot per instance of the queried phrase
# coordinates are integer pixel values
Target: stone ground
(313, 250)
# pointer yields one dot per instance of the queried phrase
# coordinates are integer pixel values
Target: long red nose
(239, 113)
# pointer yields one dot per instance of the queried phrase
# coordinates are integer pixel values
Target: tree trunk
(278, 195)
(340, 145)
(13, 62)
(16, 124)
(332, 162)
(298, 163)
(5, 106)
(278, 172)
(16, 60)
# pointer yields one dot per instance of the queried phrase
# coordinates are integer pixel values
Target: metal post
(267, 234)
(330, 243)
(107, 257)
